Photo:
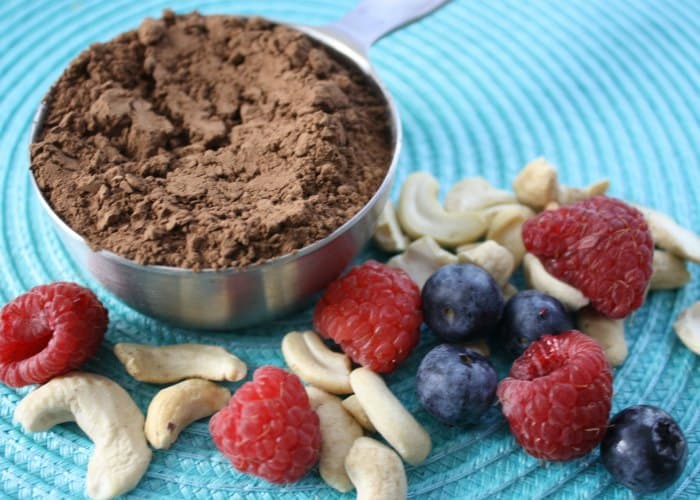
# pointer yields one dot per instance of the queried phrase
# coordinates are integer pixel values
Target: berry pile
(587, 249)
(558, 395)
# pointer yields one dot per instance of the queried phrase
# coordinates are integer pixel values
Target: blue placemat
(602, 88)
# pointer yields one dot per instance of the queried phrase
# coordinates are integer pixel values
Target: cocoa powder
(210, 142)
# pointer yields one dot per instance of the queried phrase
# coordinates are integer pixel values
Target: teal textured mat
(602, 88)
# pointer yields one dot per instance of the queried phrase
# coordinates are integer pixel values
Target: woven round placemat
(601, 88)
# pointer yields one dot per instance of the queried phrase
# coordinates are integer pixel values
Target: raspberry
(600, 246)
(373, 313)
(268, 428)
(48, 331)
(558, 396)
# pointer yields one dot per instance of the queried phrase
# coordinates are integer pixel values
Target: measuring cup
(235, 298)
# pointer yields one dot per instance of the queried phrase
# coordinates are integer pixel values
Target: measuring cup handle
(370, 20)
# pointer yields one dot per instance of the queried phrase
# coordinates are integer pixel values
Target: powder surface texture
(209, 142)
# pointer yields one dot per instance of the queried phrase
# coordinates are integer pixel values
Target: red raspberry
(268, 428)
(49, 330)
(600, 246)
(558, 395)
(373, 313)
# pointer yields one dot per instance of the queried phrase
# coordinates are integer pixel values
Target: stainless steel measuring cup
(234, 298)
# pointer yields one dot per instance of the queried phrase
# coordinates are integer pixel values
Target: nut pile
(590, 260)
(415, 230)
(50, 331)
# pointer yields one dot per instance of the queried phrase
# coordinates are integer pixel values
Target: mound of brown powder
(210, 142)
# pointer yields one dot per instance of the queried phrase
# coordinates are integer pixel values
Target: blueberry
(644, 449)
(530, 314)
(461, 302)
(456, 384)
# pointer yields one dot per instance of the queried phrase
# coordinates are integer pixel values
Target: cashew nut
(567, 194)
(508, 291)
(670, 236)
(422, 258)
(388, 235)
(467, 247)
(389, 416)
(669, 271)
(109, 417)
(492, 257)
(177, 406)
(172, 363)
(536, 184)
(539, 279)
(354, 408)
(687, 327)
(490, 213)
(506, 229)
(420, 214)
(339, 430)
(475, 193)
(610, 334)
(376, 471)
(314, 363)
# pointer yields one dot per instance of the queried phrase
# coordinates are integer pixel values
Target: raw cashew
(687, 327)
(314, 363)
(492, 257)
(536, 184)
(539, 279)
(420, 214)
(376, 471)
(475, 193)
(422, 258)
(172, 363)
(389, 416)
(339, 430)
(467, 247)
(177, 406)
(669, 271)
(567, 194)
(388, 235)
(610, 334)
(508, 291)
(506, 229)
(670, 236)
(354, 408)
(490, 213)
(109, 417)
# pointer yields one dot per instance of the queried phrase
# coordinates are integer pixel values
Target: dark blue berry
(456, 384)
(461, 302)
(530, 314)
(644, 449)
